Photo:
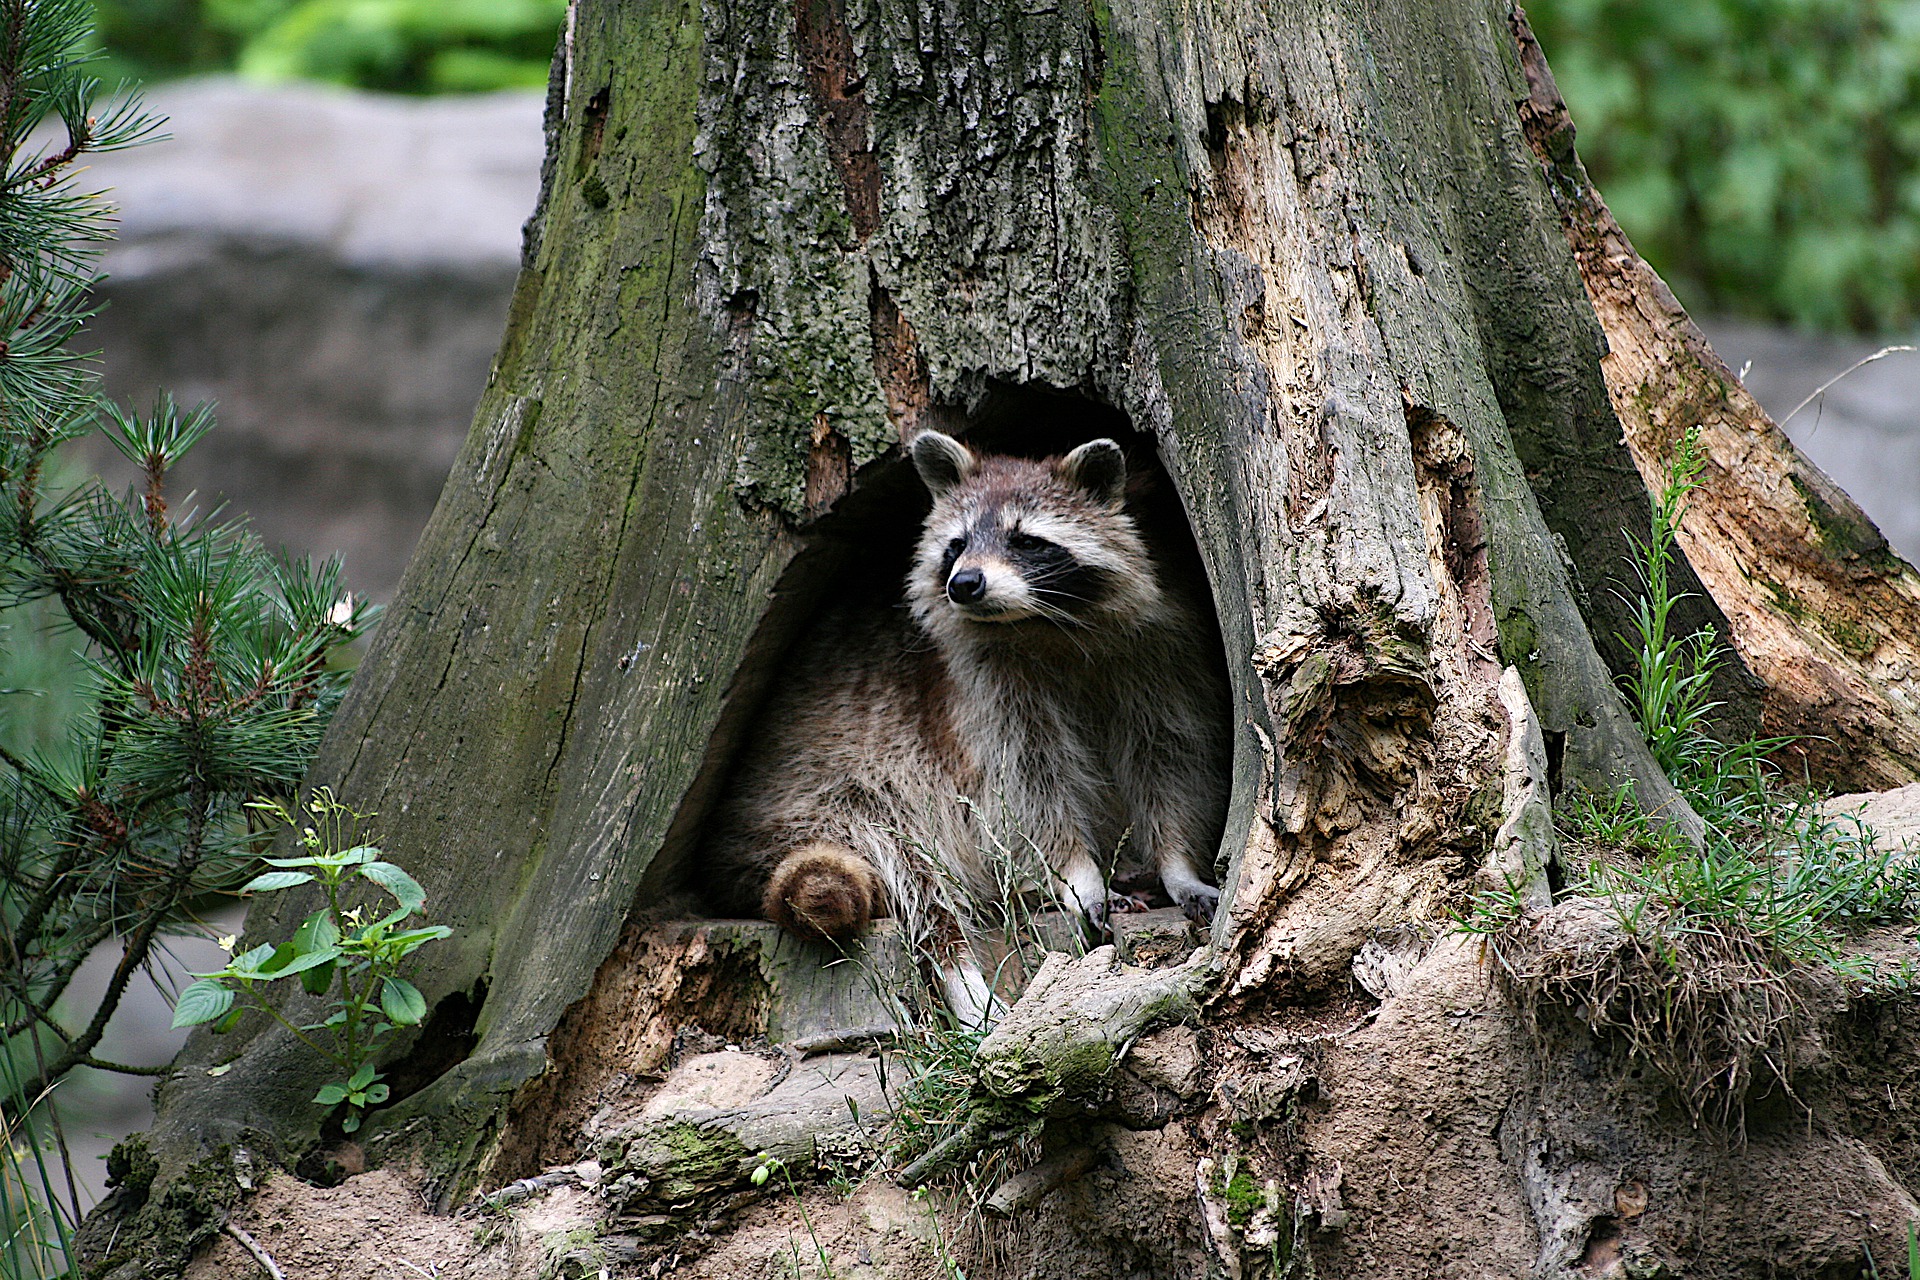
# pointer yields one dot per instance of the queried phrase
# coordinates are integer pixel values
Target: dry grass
(1697, 999)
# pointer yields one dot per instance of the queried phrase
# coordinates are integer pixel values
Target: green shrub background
(1763, 154)
(401, 46)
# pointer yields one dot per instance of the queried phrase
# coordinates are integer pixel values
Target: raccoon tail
(823, 890)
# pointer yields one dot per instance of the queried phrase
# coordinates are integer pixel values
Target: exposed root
(260, 1255)
(1697, 999)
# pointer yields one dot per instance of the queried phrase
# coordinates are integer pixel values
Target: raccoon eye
(958, 545)
(1023, 541)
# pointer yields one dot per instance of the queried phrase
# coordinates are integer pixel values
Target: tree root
(1701, 1004)
(252, 1246)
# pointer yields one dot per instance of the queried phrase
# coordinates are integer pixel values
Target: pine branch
(47, 171)
(27, 932)
(81, 1047)
(211, 661)
(121, 1068)
(40, 1009)
(36, 1013)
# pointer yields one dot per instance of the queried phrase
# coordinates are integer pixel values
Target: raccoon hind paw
(823, 891)
(1199, 902)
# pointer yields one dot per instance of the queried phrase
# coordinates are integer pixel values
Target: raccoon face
(1014, 541)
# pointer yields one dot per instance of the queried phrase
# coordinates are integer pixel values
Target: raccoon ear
(942, 461)
(1100, 469)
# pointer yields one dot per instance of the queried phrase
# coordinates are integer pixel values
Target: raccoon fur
(1054, 684)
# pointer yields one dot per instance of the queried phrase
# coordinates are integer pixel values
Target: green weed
(1771, 866)
(346, 950)
(770, 1165)
(1669, 685)
(1693, 955)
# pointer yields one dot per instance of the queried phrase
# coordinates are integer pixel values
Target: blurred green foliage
(400, 46)
(1764, 155)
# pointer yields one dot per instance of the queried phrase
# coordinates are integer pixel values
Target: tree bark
(1820, 608)
(1307, 252)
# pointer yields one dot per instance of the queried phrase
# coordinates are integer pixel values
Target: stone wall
(333, 269)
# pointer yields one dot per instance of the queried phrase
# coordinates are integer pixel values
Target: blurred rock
(334, 270)
(1892, 816)
(1864, 432)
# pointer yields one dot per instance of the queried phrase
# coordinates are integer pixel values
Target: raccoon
(1054, 680)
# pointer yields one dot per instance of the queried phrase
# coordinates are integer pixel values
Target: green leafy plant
(198, 670)
(404, 46)
(346, 951)
(1761, 153)
(1670, 683)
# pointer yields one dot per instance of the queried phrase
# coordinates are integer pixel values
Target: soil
(376, 1227)
(1427, 1140)
(371, 1226)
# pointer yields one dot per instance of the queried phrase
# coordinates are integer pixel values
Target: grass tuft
(1701, 959)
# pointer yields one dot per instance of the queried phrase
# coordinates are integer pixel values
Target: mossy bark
(1303, 248)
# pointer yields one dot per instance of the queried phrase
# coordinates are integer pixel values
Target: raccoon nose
(967, 586)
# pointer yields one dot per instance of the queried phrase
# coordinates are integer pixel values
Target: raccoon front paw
(1099, 913)
(1199, 901)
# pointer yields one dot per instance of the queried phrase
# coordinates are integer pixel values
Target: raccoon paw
(1099, 913)
(823, 890)
(1199, 901)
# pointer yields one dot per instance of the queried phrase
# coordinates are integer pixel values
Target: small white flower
(226, 943)
(342, 612)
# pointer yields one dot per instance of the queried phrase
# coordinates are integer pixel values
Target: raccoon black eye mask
(1050, 688)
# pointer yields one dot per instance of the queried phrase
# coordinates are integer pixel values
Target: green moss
(1844, 534)
(684, 1161)
(572, 1254)
(1855, 639)
(1244, 1197)
(1850, 636)
(158, 1237)
(131, 1168)
(792, 265)
(1070, 1072)
(1486, 807)
(1784, 600)
(1519, 638)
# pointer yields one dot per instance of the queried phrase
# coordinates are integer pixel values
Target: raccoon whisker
(1042, 606)
(1055, 591)
(1065, 622)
